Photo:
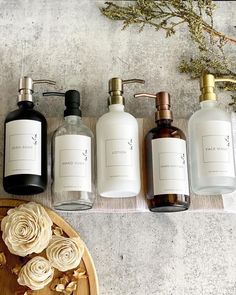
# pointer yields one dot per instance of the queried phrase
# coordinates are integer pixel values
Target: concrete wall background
(69, 41)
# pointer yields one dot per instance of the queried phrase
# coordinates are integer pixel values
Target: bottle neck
(116, 107)
(73, 120)
(208, 104)
(164, 122)
(25, 104)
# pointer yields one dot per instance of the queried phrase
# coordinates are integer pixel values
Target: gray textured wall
(69, 41)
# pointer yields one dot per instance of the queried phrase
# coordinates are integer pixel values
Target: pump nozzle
(145, 95)
(207, 85)
(133, 81)
(116, 89)
(52, 93)
(162, 104)
(26, 87)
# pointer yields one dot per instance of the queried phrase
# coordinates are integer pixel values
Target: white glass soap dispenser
(118, 168)
(210, 144)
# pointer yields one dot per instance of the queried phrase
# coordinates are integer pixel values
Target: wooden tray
(8, 283)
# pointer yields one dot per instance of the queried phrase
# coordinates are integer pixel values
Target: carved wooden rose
(26, 229)
(65, 253)
(36, 273)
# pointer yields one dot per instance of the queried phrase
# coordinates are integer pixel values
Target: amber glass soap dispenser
(166, 161)
(25, 144)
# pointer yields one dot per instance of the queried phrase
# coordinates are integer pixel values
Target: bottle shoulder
(25, 114)
(73, 129)
(209, 114)
(165, 132)
(114, 117)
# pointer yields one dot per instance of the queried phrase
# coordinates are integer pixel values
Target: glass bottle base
(207, 191)
(73, 200)
(73, 206)
(24, 184)
(118, 194)
(213, 185)
(169, 203)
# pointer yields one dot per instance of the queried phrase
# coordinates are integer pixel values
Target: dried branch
(168, 15)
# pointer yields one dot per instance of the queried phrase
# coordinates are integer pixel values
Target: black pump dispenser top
(72, 102)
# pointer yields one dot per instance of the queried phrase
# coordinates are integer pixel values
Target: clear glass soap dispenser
(211, 144)
(72, 159)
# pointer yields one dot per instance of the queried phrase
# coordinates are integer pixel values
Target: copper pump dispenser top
(162, 104)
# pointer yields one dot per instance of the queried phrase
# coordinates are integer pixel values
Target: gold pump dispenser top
(115, 86)
(163, 104)
(26, 87)
(207, 86)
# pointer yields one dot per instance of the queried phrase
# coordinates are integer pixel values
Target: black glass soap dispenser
(25, 144)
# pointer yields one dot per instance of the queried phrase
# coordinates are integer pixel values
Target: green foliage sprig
(168, 15)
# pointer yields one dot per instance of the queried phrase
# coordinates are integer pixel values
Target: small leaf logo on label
(85, 154)
(34, 138)
(130, 143)
(227, 141)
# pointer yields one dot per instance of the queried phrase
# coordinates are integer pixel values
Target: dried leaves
(57, 231)
(22, 291)
(3, 260)
(168, 15)
(79, 274)
(67, 283)
(16, 269)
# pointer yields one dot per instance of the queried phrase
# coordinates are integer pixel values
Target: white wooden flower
(65, 253)
(26, 229)
(36, 273)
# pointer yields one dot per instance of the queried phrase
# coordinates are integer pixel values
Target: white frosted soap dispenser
(210, 144)
(118, 168)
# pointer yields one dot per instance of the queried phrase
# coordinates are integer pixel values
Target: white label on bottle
(72, 163)
(215, 148)
(169, 160)
(23, 147)
(121, 153)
